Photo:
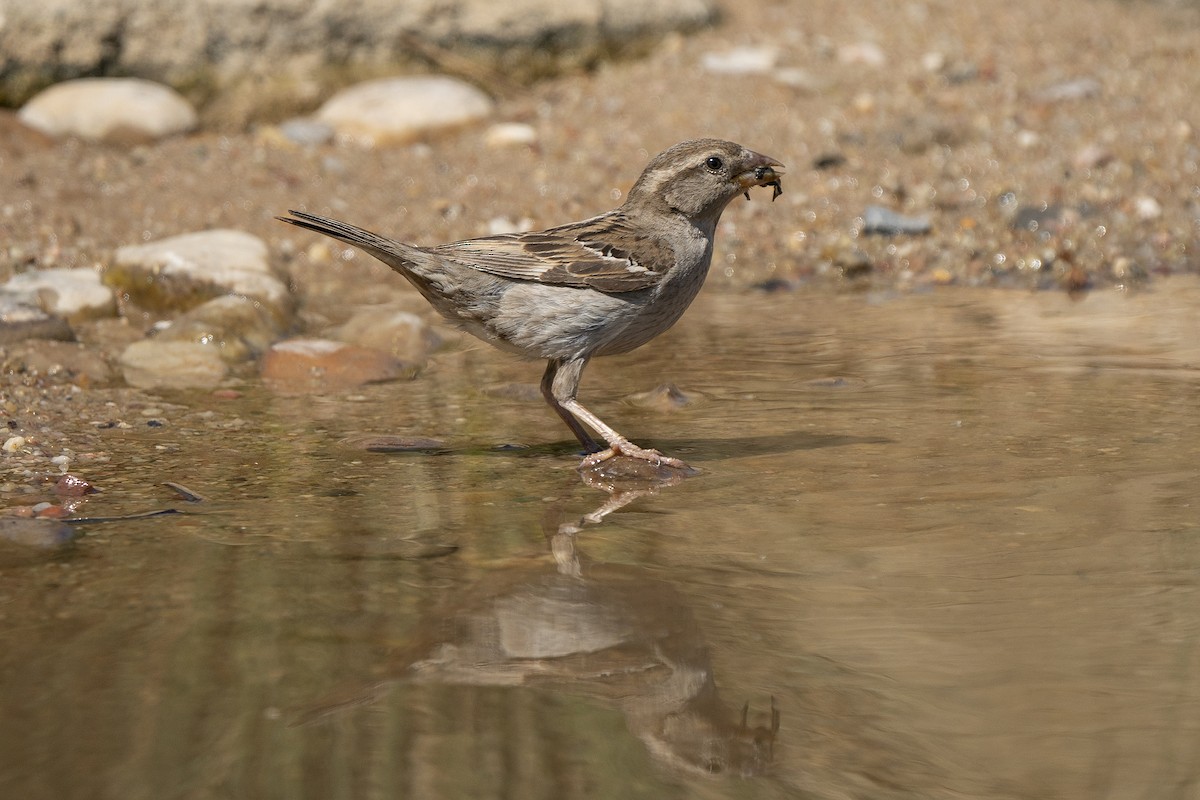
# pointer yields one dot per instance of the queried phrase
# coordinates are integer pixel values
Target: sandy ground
(1050, 146)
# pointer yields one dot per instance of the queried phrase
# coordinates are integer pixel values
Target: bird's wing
(605, 253)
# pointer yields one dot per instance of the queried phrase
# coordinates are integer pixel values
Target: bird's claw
(630, 450)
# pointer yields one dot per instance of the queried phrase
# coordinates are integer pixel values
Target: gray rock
(266, 60)
(109, 109)
(181, 272)
(398, 110)
(306, 131)
(884, 221)
(153, 364)
(21, 318)
(65, 292)
(400, 333)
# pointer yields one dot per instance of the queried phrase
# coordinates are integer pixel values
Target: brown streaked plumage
(602, 286)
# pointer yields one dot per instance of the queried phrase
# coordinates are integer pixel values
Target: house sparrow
(599, 287)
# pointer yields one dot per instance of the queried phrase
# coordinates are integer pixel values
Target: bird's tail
(404, 258)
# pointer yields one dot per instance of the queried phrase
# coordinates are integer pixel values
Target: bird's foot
(631, 450)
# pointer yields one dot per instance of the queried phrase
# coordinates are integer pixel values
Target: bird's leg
(562, 379)
(590, 445)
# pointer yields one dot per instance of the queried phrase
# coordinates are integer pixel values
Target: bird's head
(698, 178)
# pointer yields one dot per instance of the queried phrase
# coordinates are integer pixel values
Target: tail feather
(404, 258)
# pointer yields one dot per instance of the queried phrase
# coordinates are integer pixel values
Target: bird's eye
(714, 163)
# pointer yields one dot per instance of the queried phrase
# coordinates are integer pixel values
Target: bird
(602, 286)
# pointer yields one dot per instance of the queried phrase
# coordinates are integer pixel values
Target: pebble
(1147, 208)
(181, 272)
(123, 110)
(401, 334)
(398, 110)
(510, 134)
(301, 366)
(1077, 89)
(66, 292)
(741, 61)
(154, 364)
(884, 221)
(307, 131)
(865, 53)
(13, 444)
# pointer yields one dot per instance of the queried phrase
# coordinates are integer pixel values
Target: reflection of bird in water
(609, 632)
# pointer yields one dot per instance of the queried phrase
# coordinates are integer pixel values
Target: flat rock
(109, 109)
(66, 292)
(22, 317)
(71, 360)
(153, 364)
(398, 110)
(181, 272)
(302, 366)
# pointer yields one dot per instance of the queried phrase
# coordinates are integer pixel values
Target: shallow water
(953, 538)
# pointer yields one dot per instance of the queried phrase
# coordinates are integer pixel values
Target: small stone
(1077, 89)
(741, 61)
(181, 272)
(499, 225)
(151, 364)
(398, 110)
(1091, 156)
(66, 292)
(510, 134)
(865, 53)
(126, 110)
(799, 78)
(13, 444)
(884, 221)
(1147, 208)
(399, 333)
(306, 131)
(300, 366)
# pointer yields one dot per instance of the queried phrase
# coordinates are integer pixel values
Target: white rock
(66, 292)
(151, 364)
(109, 108)
(509, 134)
(741, 61)
(1147, 207)
(397, 110)
(867, 53)
(230, 261)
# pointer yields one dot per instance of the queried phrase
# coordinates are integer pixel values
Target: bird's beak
(762, 171)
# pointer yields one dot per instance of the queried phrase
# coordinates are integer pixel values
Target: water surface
(951, 538)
